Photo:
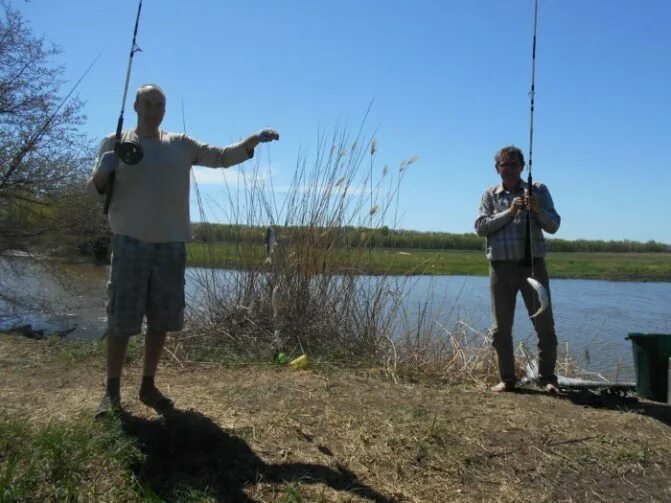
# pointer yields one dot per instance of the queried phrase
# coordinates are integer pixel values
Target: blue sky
(449, 81)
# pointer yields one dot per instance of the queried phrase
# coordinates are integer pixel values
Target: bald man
(150, 222)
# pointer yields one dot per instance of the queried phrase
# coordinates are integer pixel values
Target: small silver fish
(271, 242)
(275, 301)
(542, 297)
(277, 341)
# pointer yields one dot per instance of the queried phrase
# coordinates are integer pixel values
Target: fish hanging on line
(275, 301)
(542, 297)
(271, 242)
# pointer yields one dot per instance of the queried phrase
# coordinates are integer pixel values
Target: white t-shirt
(150, 200)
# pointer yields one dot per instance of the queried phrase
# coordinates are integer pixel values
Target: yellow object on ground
(299, 363)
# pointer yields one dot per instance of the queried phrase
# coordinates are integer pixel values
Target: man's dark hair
(509, 151)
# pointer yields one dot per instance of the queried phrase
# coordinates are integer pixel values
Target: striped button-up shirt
(506, 233)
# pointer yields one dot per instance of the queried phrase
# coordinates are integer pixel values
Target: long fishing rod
(540, 290)
(129, 152)
(528, 244)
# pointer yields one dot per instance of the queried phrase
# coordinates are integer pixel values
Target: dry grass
(268, 433)
(325, 307)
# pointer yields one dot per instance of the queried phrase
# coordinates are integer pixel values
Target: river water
(592, 317)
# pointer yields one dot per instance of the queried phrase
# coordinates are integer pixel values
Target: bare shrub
(325, 307)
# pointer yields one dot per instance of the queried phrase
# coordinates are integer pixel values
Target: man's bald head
(152, 88)
(150, 108)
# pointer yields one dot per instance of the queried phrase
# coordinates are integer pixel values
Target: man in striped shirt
(502, 221)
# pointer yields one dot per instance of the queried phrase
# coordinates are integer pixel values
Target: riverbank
(608, 266)
(564, 265)
(267, 433)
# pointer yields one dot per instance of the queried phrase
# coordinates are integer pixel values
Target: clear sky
(449, 79)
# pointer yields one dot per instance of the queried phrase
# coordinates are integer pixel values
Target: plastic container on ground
(651, 359)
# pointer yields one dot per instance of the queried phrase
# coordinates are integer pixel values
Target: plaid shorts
(146, 279)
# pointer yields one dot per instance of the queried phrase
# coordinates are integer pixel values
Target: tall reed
(325, 309)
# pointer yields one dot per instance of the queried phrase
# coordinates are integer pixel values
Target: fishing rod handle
(119, 127)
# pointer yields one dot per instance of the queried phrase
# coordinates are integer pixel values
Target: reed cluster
(310, 296)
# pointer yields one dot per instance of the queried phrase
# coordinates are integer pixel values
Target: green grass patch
(611, 266)
(65, 462)
(585, 265)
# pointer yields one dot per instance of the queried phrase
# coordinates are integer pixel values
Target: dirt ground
(269, 433)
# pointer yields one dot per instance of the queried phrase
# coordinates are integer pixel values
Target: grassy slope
(609, 266)
(263, 433)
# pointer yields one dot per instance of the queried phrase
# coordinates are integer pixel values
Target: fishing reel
(129, 152)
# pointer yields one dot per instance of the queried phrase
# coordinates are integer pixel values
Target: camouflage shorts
(146, 279)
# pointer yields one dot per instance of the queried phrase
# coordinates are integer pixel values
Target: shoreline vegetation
(612, 266)
(380, 250)
(384, 237)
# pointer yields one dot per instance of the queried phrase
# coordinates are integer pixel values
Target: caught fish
(542, 297)
(275, 301)
(277, 341)
(271, 242)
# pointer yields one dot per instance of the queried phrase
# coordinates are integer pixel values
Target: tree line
(408, 239)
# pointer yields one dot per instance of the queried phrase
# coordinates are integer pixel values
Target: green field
(587, 265)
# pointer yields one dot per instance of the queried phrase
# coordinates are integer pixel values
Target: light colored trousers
(506, 279)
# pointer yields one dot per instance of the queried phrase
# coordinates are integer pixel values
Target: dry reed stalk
(328, 309)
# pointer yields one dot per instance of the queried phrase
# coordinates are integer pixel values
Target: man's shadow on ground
(611, 401)
(185, 450)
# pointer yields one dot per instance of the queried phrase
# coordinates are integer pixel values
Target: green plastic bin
(651, 360)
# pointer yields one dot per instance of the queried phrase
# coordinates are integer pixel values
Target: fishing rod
(541, 291)
(129, 152)
(528, 244)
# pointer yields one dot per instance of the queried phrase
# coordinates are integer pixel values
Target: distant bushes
(406, 239)
(623, 246)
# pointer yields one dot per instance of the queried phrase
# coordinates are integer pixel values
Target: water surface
(592, 317)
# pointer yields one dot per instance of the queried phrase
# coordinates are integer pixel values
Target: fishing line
(207, 277)
(130, 152)
(196, 188)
